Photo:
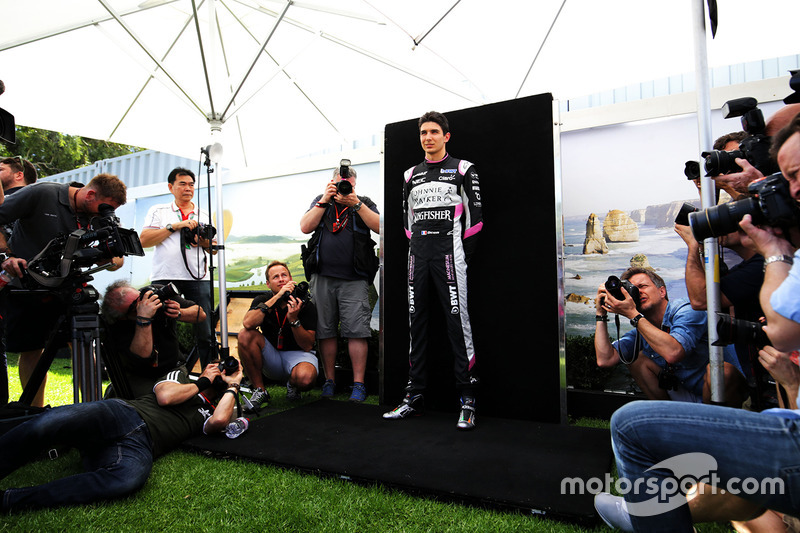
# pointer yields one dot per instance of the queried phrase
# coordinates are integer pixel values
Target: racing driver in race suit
(442, 218)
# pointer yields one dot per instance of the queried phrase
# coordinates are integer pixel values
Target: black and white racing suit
(442, 217)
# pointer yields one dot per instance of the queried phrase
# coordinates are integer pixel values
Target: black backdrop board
(513, 277)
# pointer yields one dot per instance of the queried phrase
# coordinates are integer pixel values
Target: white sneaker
(613, 510)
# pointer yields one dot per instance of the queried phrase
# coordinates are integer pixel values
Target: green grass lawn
(189, 492)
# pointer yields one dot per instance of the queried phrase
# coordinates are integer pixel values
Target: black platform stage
(503, 463)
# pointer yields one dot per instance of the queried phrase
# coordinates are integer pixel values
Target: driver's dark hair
(435, 116)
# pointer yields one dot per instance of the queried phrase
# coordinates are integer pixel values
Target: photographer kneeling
(282, 349)
(668, 348)
(144, 333)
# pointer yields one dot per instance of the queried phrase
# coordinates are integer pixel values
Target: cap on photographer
(180, 250)
(277, 336)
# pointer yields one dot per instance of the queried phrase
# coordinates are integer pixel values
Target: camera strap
(184, 246)
(636, 345)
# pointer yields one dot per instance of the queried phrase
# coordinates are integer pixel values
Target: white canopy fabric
(291, 78)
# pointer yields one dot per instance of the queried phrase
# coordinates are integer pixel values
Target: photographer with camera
(779, 246)
(118, 440)
(738, 172)
(40, 214)
(143, 331)
(645, 435)
(181, 241)
(739, 289)
(667, 351)
(340, 268)
(287, 319)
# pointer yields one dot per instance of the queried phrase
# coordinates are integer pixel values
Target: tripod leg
(40, 372)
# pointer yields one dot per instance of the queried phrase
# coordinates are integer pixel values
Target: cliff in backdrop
(663, 215)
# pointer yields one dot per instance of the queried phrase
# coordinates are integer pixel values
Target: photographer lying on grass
(117, 439)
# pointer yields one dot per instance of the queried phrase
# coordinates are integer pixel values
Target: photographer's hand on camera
(172, 309)
(765, 240)
(736, 183)
(15, 266)
(148, 305)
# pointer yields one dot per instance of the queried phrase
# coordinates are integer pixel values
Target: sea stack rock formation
(594, 242)
(619, 227)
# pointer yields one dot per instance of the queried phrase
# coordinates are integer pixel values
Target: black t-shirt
(275, 322)
(336, 249)
(171, 425)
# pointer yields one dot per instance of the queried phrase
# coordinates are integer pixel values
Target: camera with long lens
(344, 187)
(300, 292)
(203, 231)
(771, 204)
(754, 148)
(691, 170)
(64, 255)
(736, 331)
(614, 286)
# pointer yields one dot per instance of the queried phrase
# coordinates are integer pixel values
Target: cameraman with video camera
(340, 268)
(668, 348)
(143, 331)
(41, 213)
(181, 241)
(282, 349)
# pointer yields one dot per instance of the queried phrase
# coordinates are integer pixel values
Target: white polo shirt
(167, 259)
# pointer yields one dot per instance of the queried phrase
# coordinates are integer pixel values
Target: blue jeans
(198, 292)
(753, 452)
(113, 441)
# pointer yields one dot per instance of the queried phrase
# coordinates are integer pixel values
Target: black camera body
(344, 187)
(754, 148)
(204, 231)
(614, 287)
(300, 292)
(229, 365)
(682, 217)
(163, 292)
(772, 204)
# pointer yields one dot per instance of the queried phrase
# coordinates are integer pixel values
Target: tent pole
(707, 186)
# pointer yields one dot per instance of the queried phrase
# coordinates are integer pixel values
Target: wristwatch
(170, 228)
(295, 324)
(358, 206)
(778, 258)
(635, 320)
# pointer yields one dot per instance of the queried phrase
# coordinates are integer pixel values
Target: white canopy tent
(282, 78)
(289, 78)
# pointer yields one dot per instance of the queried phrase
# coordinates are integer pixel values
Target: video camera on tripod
(58, 270)
(63, 256)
